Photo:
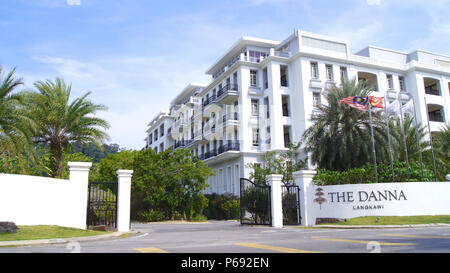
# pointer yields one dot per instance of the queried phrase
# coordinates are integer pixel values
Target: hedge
(366, 174)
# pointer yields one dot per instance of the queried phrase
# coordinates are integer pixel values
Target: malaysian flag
(361, 103)
(356, 102)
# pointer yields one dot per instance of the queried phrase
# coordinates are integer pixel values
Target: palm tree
(442, 142)
(61, 122)
(410, 128)
(340, 136)
(15, 128)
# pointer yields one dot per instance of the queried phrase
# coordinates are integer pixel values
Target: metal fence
(102, 204)
(254, 203)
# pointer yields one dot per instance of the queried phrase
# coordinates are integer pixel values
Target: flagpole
(418, 140)
(373, 143)
(403, 132)
(389, 138)
(431, 140)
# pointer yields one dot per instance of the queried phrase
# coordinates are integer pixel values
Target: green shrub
(151, 215)
(366, 174)
(195, 208)
(222, 206)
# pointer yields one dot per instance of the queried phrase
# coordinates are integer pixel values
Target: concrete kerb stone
(374, 226)
(63, 240)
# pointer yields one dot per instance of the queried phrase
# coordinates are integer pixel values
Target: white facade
(262, 95)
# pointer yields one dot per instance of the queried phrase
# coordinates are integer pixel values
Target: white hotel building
(262, 94)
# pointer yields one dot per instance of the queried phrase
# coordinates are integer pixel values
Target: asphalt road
(231, 237)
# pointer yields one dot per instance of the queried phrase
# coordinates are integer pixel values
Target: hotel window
(284, 75)
(150, 138)
(329, 72)
(285, 105)
(161, 130)
(401, 81)
(389, 81)
(253, 78)
(265, 78)
(255, 110)
(287, 136)
(316, 99)
(314, 70)
(343, 72)
(255, 56)
(155, 134)
(255, 137)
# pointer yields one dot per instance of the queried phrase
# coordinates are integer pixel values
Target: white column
(274, 181)
(303, 179)
(79, 175)
(123, 200)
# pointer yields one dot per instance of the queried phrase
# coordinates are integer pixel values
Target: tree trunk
(56, 160)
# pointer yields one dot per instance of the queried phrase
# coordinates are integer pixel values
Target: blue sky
(136, 55)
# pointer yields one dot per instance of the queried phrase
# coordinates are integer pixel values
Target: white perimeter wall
(33, 200)
(382, 199)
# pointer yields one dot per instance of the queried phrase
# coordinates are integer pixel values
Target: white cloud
(135, 89)
(373, 2)
(73, 2)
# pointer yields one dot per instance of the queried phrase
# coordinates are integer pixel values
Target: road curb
(381, 226)
(62, 240)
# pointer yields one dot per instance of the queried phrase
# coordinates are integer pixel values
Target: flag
(408, 108)
(356, 102)
(376, 101)
(393, 108)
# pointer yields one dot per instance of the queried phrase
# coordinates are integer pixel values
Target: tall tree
(284, 163)
(340, 137)
(16, 129)
(411, 139)
(61, 122)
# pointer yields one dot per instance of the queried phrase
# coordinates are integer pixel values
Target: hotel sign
(376, 199)
(361, 200)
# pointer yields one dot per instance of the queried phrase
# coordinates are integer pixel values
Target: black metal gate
(255, 203)
(291, 204)
(102, 205)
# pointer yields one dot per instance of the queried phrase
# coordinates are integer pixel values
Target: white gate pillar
(303, 179)
(276, 199)
(79, 175)
(123, 200)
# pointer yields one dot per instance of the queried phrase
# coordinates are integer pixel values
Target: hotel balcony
(230, 150)
(210, 106)
(179, 144)
(200, 115)
(180, 125)
(228, 94)
(212, 130)
(230, 120)
(198, 138)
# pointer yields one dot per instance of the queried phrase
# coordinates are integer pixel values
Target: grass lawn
(47, 232)
(395, 220)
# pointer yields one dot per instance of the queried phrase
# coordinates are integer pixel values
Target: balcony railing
(179, 144)
(224, 90)
(230, 145)
(209, 100)
(232, 116)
